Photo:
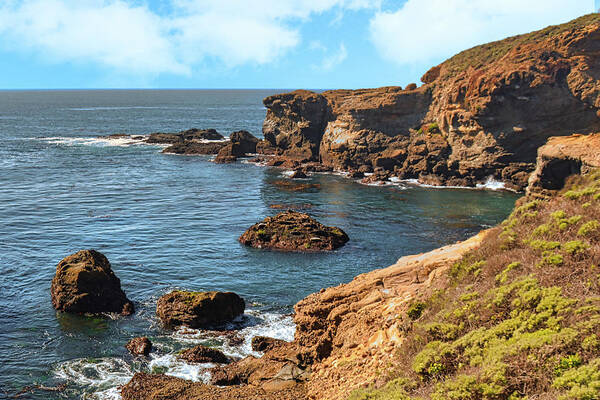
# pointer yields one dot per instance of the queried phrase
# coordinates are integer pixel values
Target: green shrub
(415, 310)
(588, 228)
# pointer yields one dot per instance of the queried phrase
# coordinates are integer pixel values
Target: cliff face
(483, 112)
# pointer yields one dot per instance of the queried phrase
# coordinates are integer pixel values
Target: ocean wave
(97, 141)
(100, 378)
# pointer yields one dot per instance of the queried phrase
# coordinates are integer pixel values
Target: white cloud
(113, 34)
(127, 36)
(429, 31)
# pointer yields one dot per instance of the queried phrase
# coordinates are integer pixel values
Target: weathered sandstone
(198, 309)
(292, 230)
(85, 283)
(482, 113)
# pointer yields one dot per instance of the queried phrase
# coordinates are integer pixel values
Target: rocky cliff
(482, 113)
(486, 318)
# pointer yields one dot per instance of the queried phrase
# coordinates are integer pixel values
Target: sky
(318, 44)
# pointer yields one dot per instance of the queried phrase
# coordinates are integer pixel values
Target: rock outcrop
(246, 141)
(562, 157)
(187, 135)
(203, 354)
(139, 346)
(145, 386)
(190, 148)
(85, 283)
(293, 231)
(198, 309)
(482, 113)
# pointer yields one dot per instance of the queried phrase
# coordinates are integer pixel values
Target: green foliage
(566, 363)
(502, 277)
(582, 383)
(393, 390)
(588, 228)
(575, 247)
(415, 310)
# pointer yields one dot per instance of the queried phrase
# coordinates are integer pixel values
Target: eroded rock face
(229, 153)
(293, 231)
(139, 346)
(560, 158)
(202, 354)
(482, 113)
(295, 123)
(85, 283)
(198, 309)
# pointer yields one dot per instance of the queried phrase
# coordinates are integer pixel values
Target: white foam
(180, 369)
(102, 375)
(491, 184)
(95, 141)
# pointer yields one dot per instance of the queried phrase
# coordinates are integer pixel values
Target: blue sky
(251, 43)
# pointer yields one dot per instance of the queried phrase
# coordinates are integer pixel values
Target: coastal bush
(521, 316)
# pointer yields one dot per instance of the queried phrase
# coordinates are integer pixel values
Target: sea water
(166, 222)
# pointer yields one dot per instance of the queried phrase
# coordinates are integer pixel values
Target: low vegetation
(479, 56)
(519, 318)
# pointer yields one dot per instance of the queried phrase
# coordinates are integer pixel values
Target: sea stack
(85, 283)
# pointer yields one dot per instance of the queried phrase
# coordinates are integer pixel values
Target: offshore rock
(198, 309)
(482, 113)
(229, 153)
(188, 135)
(85, 283)
(190, 147)
(247, 142)
(202, 354)
(293, 231)
(139, 346)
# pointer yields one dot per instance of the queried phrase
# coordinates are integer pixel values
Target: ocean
(167, 221)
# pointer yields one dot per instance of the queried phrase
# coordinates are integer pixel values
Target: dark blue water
(167, 221)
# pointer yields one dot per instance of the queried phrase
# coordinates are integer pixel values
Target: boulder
(229, 153)
(198, 309)
(139, 346)
(264, 343)
(202, 354)
(298, 174)
(246, 140)
(295, 231)
(85, 283)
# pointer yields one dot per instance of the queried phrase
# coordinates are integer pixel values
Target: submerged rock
(188, 135)
(292, 230)
(198, 309)
(202, 354)
(139, 346)
(85, 283)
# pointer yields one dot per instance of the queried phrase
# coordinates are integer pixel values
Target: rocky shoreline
(507, 114)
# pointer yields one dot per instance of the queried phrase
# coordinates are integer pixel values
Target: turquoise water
(166, 222)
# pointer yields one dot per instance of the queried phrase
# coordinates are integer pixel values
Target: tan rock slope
(483, 112)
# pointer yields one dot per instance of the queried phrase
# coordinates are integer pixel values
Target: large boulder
(202, 354)
(229, 153)
(85, 283)
(198, 309)
(295, 231)
(139, 346)
(187, 135)
(246, 140)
